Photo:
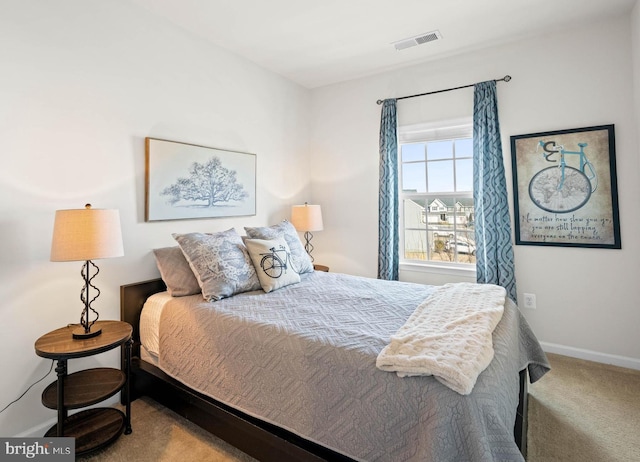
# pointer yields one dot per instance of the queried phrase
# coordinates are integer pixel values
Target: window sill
(432, 268)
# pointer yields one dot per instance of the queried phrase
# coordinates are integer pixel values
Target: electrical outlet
(530, 301)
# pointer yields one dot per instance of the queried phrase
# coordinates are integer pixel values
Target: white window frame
(421, 133)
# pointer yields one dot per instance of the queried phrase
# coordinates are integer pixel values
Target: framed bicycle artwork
(565, 188)
(186, 181)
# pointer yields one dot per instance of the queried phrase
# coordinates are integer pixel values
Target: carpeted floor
(581, 411)
(160, 435)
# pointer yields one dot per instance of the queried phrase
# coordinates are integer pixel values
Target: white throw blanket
(448, 336)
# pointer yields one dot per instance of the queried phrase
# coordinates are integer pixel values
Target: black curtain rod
(506, 78)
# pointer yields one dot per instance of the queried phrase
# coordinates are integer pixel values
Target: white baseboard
(622, 361)
(40, 430)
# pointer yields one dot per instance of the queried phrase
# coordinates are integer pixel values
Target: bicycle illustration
(276, 262)
(562, 188)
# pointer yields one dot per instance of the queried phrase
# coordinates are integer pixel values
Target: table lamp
(85, 235)
(306, 218)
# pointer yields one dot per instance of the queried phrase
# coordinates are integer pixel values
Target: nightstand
(96, 427)
(321, 268)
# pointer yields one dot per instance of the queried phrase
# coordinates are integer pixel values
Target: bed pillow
(272, 261)
(220, 263)
(176, 272)
(301, 261)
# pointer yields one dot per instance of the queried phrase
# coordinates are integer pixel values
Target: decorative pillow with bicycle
(272, 261)
(286, 230)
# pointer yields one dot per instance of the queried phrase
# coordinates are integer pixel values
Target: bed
(290, 374)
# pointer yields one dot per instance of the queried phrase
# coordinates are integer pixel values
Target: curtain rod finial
(507, 78)
(379, 102)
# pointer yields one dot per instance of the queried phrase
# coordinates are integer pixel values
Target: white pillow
(301, 260)
(272, 260)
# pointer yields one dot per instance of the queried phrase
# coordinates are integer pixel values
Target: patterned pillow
(220, 262)
(272, 261)
(301, 261)
(176, 272)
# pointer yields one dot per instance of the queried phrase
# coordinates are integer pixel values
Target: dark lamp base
(81, 334)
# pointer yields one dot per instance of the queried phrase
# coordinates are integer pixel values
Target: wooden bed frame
(264, 441)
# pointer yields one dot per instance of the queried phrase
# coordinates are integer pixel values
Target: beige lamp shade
(86, 234)
(306, 217)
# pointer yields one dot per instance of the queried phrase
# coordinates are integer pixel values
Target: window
(436, 193)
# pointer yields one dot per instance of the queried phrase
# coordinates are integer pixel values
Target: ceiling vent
(417, 40)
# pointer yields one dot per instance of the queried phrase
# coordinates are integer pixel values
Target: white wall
(587, 298)
(83, 82)
(635, 55)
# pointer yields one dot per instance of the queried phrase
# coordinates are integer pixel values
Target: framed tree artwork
(185, 181)
(565, 188)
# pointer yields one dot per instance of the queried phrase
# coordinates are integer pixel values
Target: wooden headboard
(132, 298)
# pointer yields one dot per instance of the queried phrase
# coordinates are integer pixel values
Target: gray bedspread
(303, 357)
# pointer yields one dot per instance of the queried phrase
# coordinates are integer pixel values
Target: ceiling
(320, 42)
